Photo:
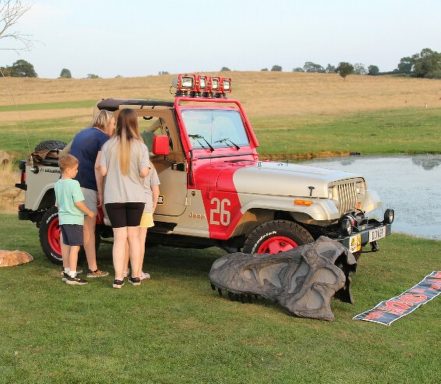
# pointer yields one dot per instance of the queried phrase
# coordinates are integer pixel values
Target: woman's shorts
(124, 214)
(147, 220)
(90, 199)
(72, 234)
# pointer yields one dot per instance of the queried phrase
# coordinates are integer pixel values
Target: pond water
(411, 185)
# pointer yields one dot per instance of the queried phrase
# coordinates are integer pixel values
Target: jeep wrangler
(214, 189)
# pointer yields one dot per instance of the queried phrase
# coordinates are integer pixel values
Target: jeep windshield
(214, 128)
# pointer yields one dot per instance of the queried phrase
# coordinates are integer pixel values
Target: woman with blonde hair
(125, 163)
(86, 147)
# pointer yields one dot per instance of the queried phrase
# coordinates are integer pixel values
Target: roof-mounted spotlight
(201, 85)
(225, 85)
(184, 84)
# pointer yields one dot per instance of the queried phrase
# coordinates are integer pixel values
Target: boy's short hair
(67, 161)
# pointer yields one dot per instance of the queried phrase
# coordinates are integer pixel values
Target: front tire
(276, 236)
(50, 236)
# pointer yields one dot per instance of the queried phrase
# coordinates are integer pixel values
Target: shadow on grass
(173, 262)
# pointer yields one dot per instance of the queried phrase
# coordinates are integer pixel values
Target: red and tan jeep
(214, 189)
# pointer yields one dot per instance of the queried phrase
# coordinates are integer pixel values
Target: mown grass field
(175, 329)
(294, 115)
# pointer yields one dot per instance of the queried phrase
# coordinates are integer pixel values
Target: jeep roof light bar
(201, 86)
(114, 104)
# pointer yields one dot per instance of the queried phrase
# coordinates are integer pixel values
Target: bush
(276, 68)
(65, 74)
(345, 69)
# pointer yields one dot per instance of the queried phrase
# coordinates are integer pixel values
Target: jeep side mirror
(160, 145)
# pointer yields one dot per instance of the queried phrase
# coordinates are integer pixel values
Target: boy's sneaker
(96, 273)
(64, 276)
(118, 284)
(62, 273)
(145, 276)
(74, 280)
(134, 280)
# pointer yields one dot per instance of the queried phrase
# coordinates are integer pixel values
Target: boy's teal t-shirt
(67, 193)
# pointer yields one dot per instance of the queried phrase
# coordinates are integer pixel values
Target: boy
(71, 211)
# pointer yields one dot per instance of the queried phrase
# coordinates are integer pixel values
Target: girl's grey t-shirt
(119, 188)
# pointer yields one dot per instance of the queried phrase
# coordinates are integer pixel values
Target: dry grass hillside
(262, 93)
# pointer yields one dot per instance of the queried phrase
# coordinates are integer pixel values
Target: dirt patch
(10, 196)
(45, 114)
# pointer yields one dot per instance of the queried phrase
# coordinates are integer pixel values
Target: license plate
(355, 243)
(377, 234)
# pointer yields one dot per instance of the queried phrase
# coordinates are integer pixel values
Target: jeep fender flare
(40, 202)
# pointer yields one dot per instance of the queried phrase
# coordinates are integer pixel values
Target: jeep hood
(282, 179)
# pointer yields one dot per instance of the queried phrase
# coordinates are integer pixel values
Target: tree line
(426, 64)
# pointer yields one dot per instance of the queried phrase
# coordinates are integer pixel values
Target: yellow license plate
(355, 243)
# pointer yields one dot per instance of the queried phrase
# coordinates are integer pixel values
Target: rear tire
(50, 235)
(276, 236)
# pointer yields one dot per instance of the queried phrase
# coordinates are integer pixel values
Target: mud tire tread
(286, 228)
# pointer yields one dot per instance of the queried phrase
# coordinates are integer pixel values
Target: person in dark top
(86, 147)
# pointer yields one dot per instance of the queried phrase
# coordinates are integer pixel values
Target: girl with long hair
(125, 163)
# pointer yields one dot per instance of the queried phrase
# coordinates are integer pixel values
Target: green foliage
(276, 68)
(21, 68)
(175, 329)
(298, 69)
(425, 64)
(309, 66)
(428, 64)
(373, 70)
(344, 69)
(65, 74)
(163, 73)
(330, 68)
(92, 76)
(406, 64)
(264, 70)
(225, 69)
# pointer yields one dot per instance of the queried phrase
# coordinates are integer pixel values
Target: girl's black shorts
(124, 214)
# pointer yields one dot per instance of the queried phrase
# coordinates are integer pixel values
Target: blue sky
(138, 38)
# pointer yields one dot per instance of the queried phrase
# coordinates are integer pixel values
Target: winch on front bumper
(357, 233)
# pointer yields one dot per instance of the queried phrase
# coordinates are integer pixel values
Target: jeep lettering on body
(214, 188)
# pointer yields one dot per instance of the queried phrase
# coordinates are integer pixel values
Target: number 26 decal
(219, 214)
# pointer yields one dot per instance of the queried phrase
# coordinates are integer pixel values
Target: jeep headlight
(360, 187)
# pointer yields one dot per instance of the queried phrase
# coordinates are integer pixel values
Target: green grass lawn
(175, 329)
(386, 132)
(20, 139)
(381, 132)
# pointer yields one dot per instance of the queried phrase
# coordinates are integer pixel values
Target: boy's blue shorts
(72, 234)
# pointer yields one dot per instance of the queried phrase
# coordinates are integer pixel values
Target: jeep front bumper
(369, 234)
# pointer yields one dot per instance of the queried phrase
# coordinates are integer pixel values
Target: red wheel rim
(53, 236)
(277, 244)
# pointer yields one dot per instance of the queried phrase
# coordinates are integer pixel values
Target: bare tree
(11, 12)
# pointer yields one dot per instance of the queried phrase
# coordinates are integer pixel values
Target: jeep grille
(345, 192)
